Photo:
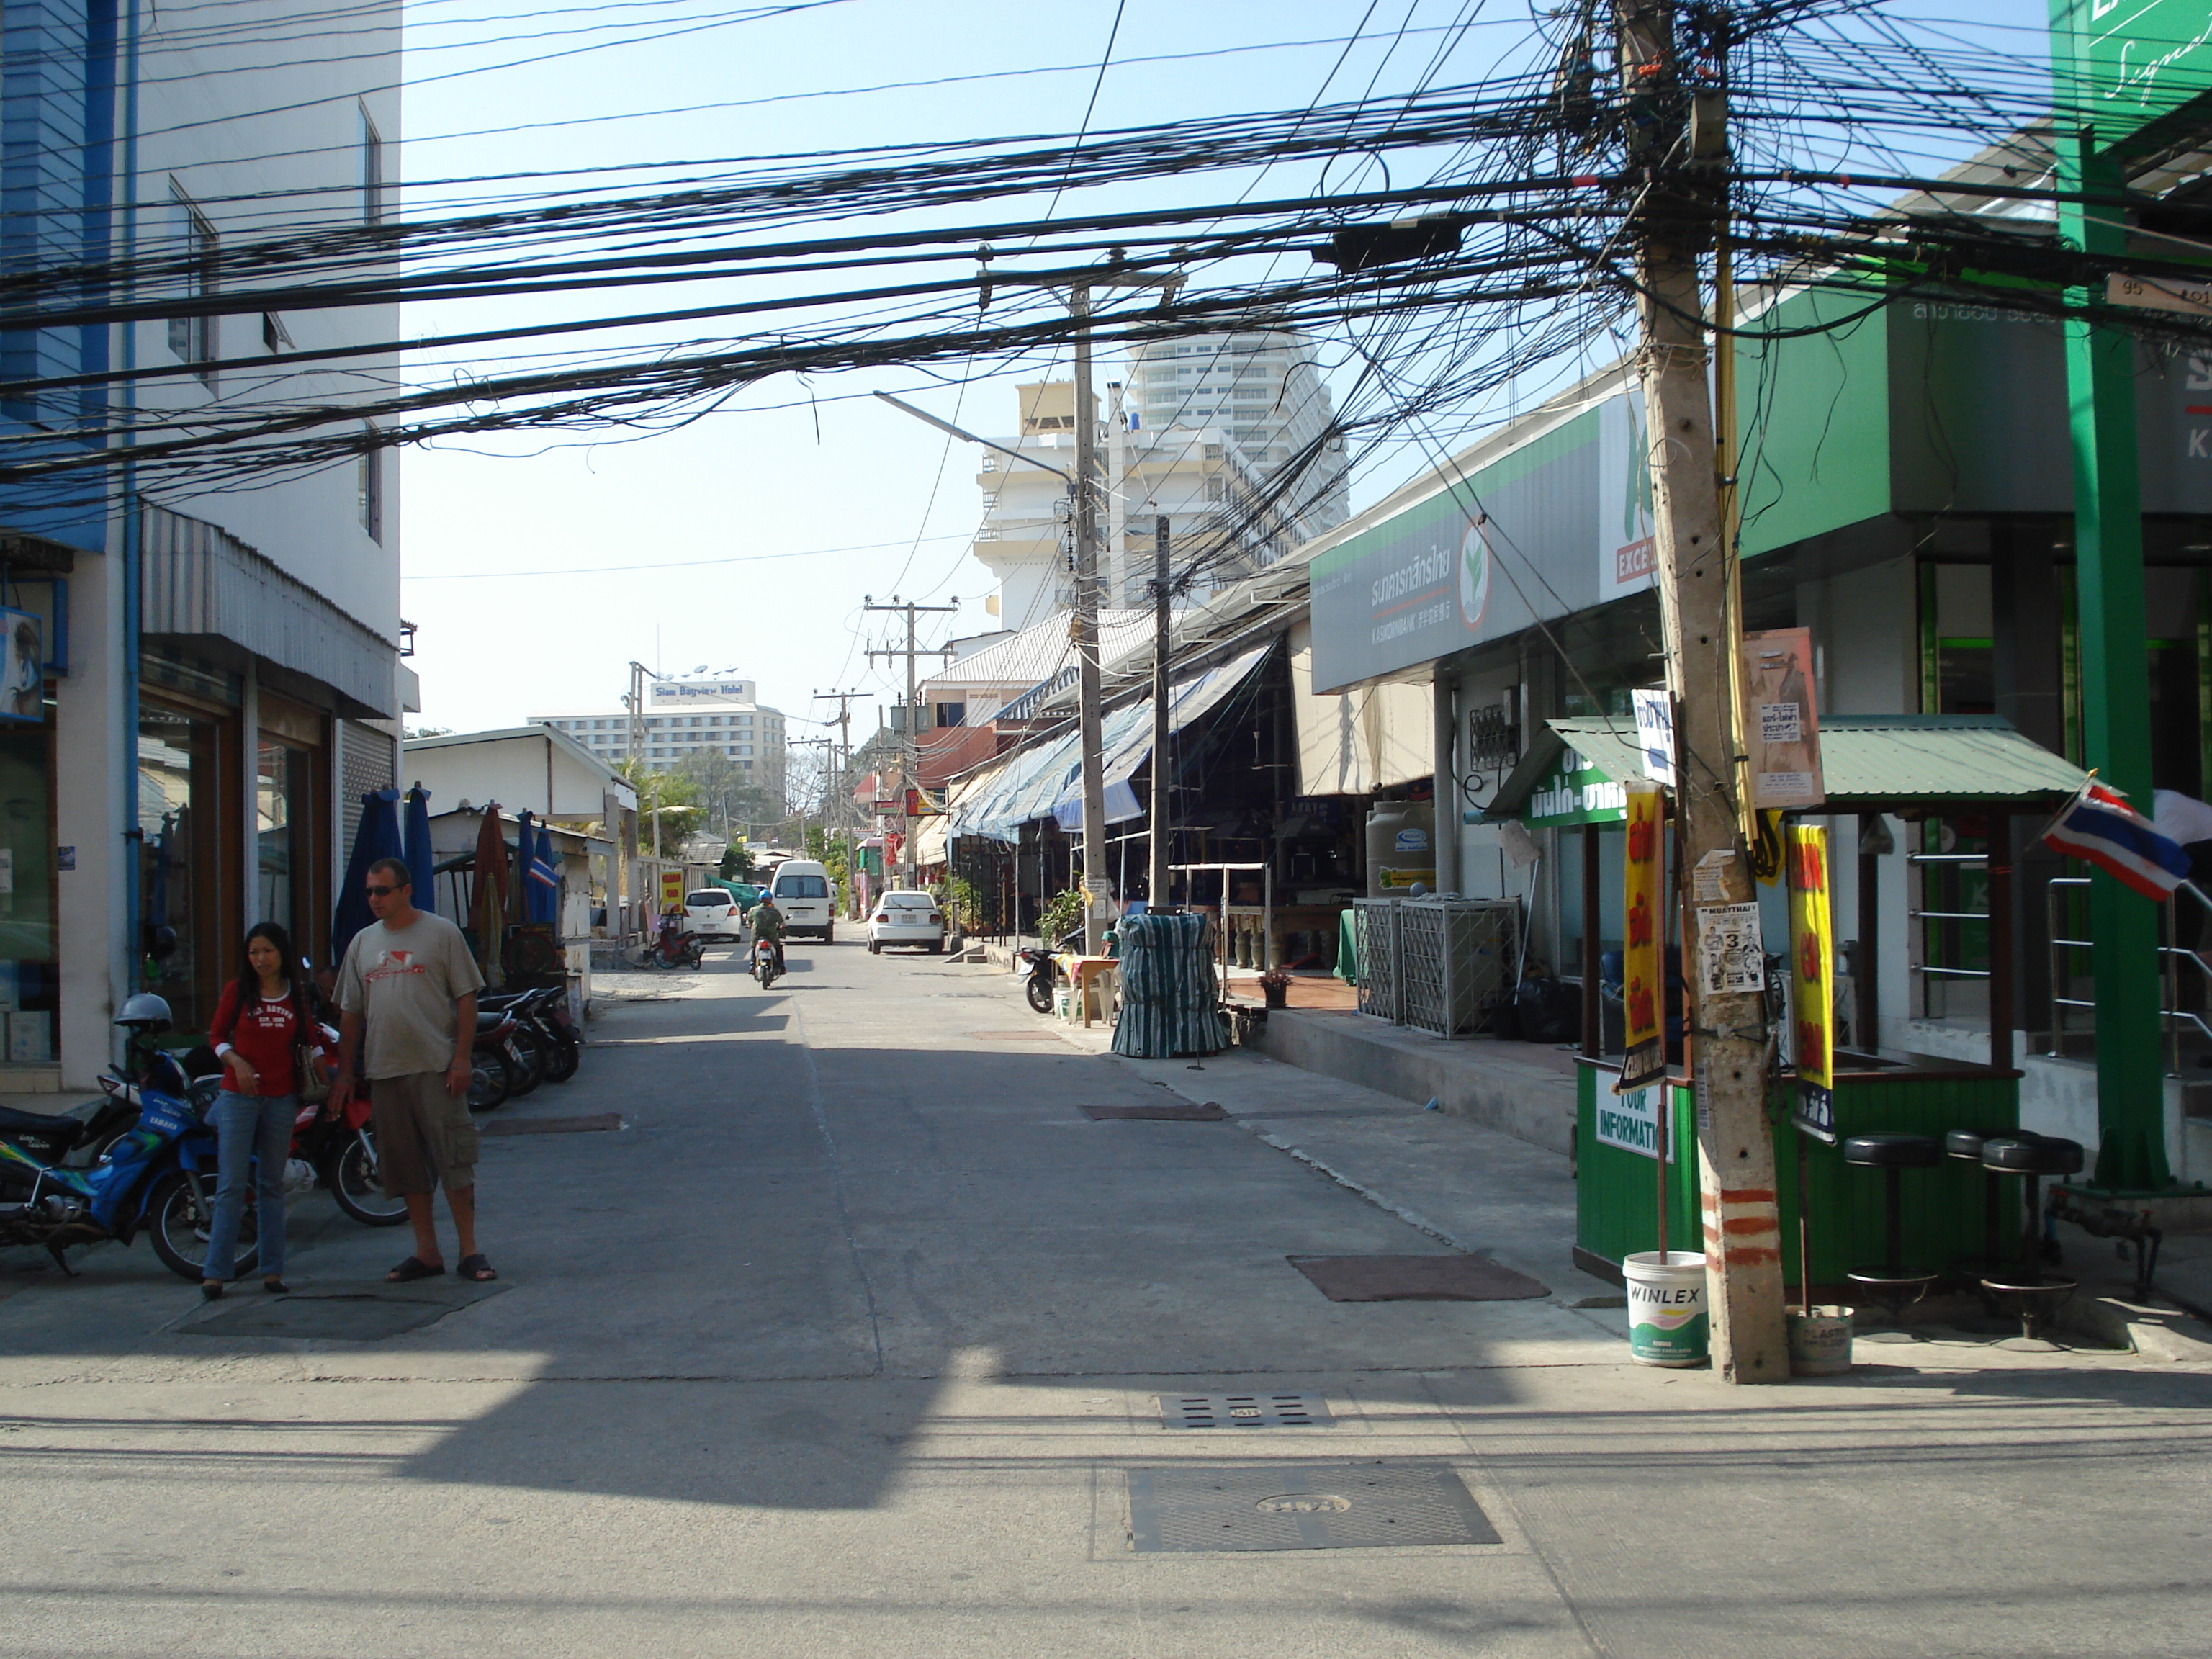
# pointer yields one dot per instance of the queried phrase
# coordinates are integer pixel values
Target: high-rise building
(1198, 435)
(1263, 388)
(683, 717)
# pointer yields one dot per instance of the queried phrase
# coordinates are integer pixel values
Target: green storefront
(1908, 766)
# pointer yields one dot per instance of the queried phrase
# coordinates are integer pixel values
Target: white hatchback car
(712, 912)
(905, 917)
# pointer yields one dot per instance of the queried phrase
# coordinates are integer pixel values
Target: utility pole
(909, 746)
(844, 702)
(1156, 898)
(1675, 136)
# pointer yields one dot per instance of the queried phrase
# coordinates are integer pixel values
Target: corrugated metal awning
(1867, 760)
(195, 579)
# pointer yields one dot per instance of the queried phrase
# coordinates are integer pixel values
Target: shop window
(28, 979)
(194, 339)
(282, 790)
(183, 873)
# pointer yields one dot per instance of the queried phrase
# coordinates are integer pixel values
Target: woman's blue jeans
(247, 1126)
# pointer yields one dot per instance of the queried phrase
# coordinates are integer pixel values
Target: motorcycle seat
(38, 1123)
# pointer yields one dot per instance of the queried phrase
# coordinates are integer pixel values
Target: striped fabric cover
(1168, 999)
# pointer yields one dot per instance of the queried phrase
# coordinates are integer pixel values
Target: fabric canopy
(1129, 735)
(1354, 743)
(415, 834)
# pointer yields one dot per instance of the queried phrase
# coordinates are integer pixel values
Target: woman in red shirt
(258, 1025)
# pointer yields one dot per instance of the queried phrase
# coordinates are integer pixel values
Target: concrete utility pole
(1162, 784)
(1674, 135)
(910, 747)
(844, 702)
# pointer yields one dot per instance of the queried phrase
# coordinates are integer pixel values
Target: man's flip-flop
(476, 1269)
(412, 1269)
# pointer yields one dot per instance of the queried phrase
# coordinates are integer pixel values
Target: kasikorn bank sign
(1557, 524)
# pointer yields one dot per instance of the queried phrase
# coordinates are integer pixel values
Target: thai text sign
(1812, 979)
(1643, 974)
(1574, 793)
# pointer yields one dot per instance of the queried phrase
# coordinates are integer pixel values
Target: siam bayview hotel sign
(1556, 523)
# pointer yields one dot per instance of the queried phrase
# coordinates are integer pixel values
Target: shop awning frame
(1869, 763)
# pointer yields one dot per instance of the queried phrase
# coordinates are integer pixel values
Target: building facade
(685, 717)
(220, 666)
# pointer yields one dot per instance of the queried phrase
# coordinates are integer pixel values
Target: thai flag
(2097, 825)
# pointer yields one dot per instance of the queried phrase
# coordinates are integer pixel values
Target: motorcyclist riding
(767, 922)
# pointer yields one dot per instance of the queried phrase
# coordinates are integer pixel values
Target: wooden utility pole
(909, 748)
(1084, 630)
(1674, 138)
(1156, 895)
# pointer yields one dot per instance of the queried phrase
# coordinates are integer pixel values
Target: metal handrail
(2174, 1018)
(1913, 914)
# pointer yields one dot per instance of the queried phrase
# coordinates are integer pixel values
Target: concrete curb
(2165, 1334)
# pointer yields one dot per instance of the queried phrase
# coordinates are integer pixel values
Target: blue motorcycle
(158, 1177)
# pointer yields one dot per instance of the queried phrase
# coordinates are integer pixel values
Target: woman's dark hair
(249, 982)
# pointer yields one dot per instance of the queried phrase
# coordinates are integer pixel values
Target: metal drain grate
(1245, 1411)
(1162, 1111)
(1365, 1506)
(550, 1126)
(1015, 1036)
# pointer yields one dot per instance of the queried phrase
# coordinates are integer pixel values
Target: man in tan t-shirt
(407, 993)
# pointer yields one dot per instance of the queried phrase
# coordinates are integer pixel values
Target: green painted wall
(1812, 421)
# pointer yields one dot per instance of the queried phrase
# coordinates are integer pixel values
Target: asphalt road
(850, 1340)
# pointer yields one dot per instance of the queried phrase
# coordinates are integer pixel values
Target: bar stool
(2033, 1158)
(1967, 1145)
(1892, 1154)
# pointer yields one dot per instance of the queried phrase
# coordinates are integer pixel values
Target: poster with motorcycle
(1642, 971)
(1812, 981)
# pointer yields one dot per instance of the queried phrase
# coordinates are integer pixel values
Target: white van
(801, 888)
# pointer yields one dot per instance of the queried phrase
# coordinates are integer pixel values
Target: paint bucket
(1666, 1307)
(1819, 1341)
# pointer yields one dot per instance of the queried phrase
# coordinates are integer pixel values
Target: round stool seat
(1893, 1151)
(2045, 1155)
(1968, 1143)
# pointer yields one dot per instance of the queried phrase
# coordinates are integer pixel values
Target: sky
(536, 570)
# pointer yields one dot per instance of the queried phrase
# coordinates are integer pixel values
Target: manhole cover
(1014, 1037)
(549, 1125)
(1416, 1279)
(1245, 1411)
(1271, 1507)
(352, 1313)
(1172, 1111)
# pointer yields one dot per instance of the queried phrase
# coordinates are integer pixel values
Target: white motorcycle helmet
(146, 1011)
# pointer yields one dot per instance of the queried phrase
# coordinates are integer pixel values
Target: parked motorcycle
(158, 1176)
(77, 1142)
(1044, 976)
(765, 967)
(495, 1062)
(550, 1045)
(342, 1151)
(674, 948)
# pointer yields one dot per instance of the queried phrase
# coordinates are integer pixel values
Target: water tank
(1401, 847)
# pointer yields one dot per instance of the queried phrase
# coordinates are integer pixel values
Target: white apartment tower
(1195, 437)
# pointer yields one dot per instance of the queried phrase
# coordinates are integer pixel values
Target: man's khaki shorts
(423, 1135)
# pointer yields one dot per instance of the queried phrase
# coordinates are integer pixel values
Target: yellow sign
(1812, 979)
(1643, 964)
(672, 891)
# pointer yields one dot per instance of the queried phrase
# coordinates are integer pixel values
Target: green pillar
(2115, 669)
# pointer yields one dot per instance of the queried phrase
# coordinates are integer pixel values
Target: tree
(732, 797)
(676, 798)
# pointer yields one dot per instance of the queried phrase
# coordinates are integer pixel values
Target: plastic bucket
(1819, 1341)
(1666, 1307)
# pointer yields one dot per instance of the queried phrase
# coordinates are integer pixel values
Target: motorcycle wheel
(1040, 993)
(531, 1072)
(352, 1179)
(178, 1229)
(562, 1059)
(489, 1081)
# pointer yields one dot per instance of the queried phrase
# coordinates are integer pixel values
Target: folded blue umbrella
(377, 838)
(422, 863)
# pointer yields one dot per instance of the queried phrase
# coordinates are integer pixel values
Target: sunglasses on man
(375, 891)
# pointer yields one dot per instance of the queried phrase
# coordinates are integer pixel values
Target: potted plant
(1275, 985)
